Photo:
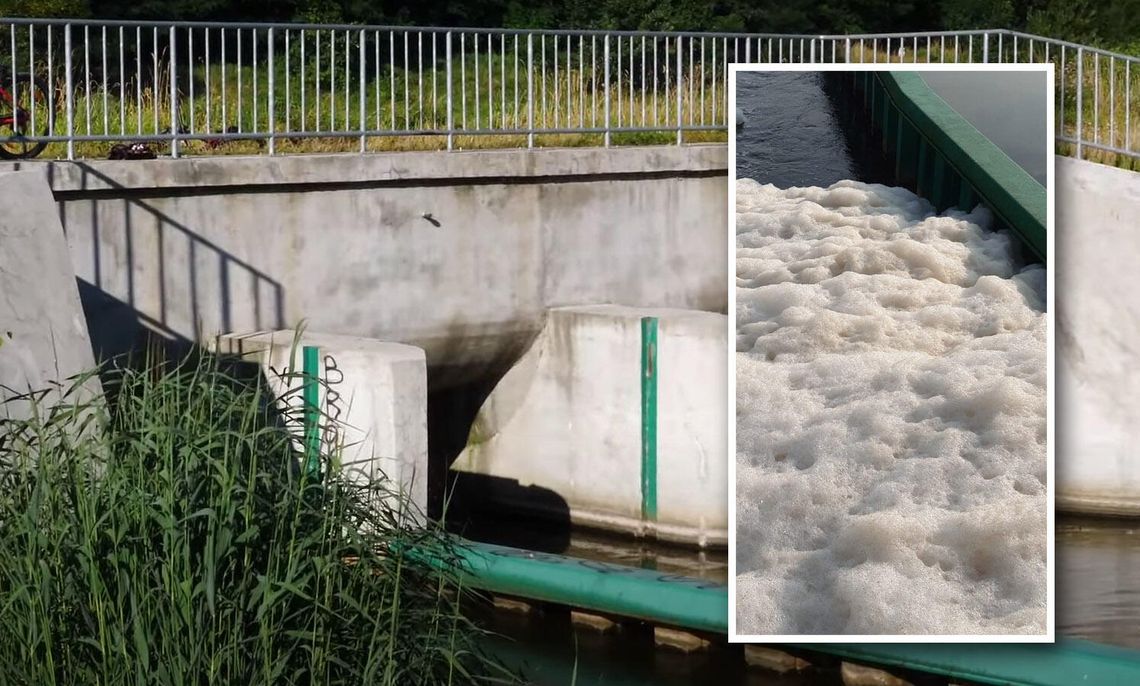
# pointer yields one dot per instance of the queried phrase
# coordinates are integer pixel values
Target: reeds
(168, 536)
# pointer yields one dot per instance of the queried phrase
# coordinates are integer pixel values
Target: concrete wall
(1098, 338)
(568, 420)
(458, 253)
(373, 397)
(43, 335)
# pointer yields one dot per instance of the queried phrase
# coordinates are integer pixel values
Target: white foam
(891, 409)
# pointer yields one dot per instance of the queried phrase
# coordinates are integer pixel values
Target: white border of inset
(733, 636)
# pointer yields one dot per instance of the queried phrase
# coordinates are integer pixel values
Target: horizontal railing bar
(356, 133)
(1072, 46)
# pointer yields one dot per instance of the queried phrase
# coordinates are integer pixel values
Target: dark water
(1098, 580)
(792, 134)
(1009, 108)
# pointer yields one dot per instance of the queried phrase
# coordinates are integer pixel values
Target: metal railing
(297, 87)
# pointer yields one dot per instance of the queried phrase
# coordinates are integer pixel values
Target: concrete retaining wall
(380, 402)
(458, 253)
(43, 335)
(1098, 338)
(568, 418)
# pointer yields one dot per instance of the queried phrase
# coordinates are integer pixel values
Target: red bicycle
(25, 113)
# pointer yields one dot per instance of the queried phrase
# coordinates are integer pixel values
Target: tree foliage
(1107, 23)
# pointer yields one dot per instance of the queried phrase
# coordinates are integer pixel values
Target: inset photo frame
(891, 456)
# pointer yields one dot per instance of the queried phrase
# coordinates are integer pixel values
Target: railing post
(606, 89)
(362, 85)
(985, 48)
(530, 90)
(847, 51)
(173, 96)
(70, 93)
(270, 86)
(680, 119)
(1080, 99)
(812, 52)
(450, 114)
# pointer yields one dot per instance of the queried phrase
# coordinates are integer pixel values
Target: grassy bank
(168, 537)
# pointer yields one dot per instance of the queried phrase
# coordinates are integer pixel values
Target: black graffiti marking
(333, 378)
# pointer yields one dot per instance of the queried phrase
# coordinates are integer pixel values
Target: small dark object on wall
(134, 151)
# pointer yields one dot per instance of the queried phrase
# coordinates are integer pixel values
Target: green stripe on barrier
(649, 418)
(1013, 195)
(311, 366)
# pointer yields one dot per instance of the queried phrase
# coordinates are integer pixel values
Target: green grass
(166, 537)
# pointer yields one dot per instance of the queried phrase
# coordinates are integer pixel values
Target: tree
(64, 9)
(960, 15)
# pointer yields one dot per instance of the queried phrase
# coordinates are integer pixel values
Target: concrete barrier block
(1097, 338)
(569, 418)
(43, 333)
(377, 391)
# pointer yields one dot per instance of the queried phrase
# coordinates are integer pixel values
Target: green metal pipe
(701, 605)
(633, 592)
(1068, 662)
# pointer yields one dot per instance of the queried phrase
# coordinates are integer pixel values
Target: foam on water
(891, 417)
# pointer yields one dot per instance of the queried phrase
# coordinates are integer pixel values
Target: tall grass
(167, 536)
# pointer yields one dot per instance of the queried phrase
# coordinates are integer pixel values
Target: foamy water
(891, 418)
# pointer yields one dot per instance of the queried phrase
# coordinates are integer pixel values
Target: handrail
(212, 86)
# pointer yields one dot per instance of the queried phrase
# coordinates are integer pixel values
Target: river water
(1018, 127)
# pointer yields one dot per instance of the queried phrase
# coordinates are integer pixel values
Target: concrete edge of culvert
(492, 165)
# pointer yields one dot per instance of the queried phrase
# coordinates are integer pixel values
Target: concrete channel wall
(1097, 338)
(458, 253)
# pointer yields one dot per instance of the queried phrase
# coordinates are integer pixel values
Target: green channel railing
(942, 157)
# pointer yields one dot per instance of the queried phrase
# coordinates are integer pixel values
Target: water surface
(1010, 108)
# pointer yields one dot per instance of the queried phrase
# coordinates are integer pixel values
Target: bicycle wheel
(25, 111)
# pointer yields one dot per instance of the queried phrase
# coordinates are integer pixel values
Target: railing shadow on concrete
(186, 274)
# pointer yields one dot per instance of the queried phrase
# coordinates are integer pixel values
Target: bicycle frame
(19, 117)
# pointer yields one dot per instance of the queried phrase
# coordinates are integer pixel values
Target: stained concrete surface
(43, 334)
(457, 253)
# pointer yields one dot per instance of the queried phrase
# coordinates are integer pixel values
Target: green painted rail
(944, 158)
(603, 587)
(1068, 662)
(700, 605)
